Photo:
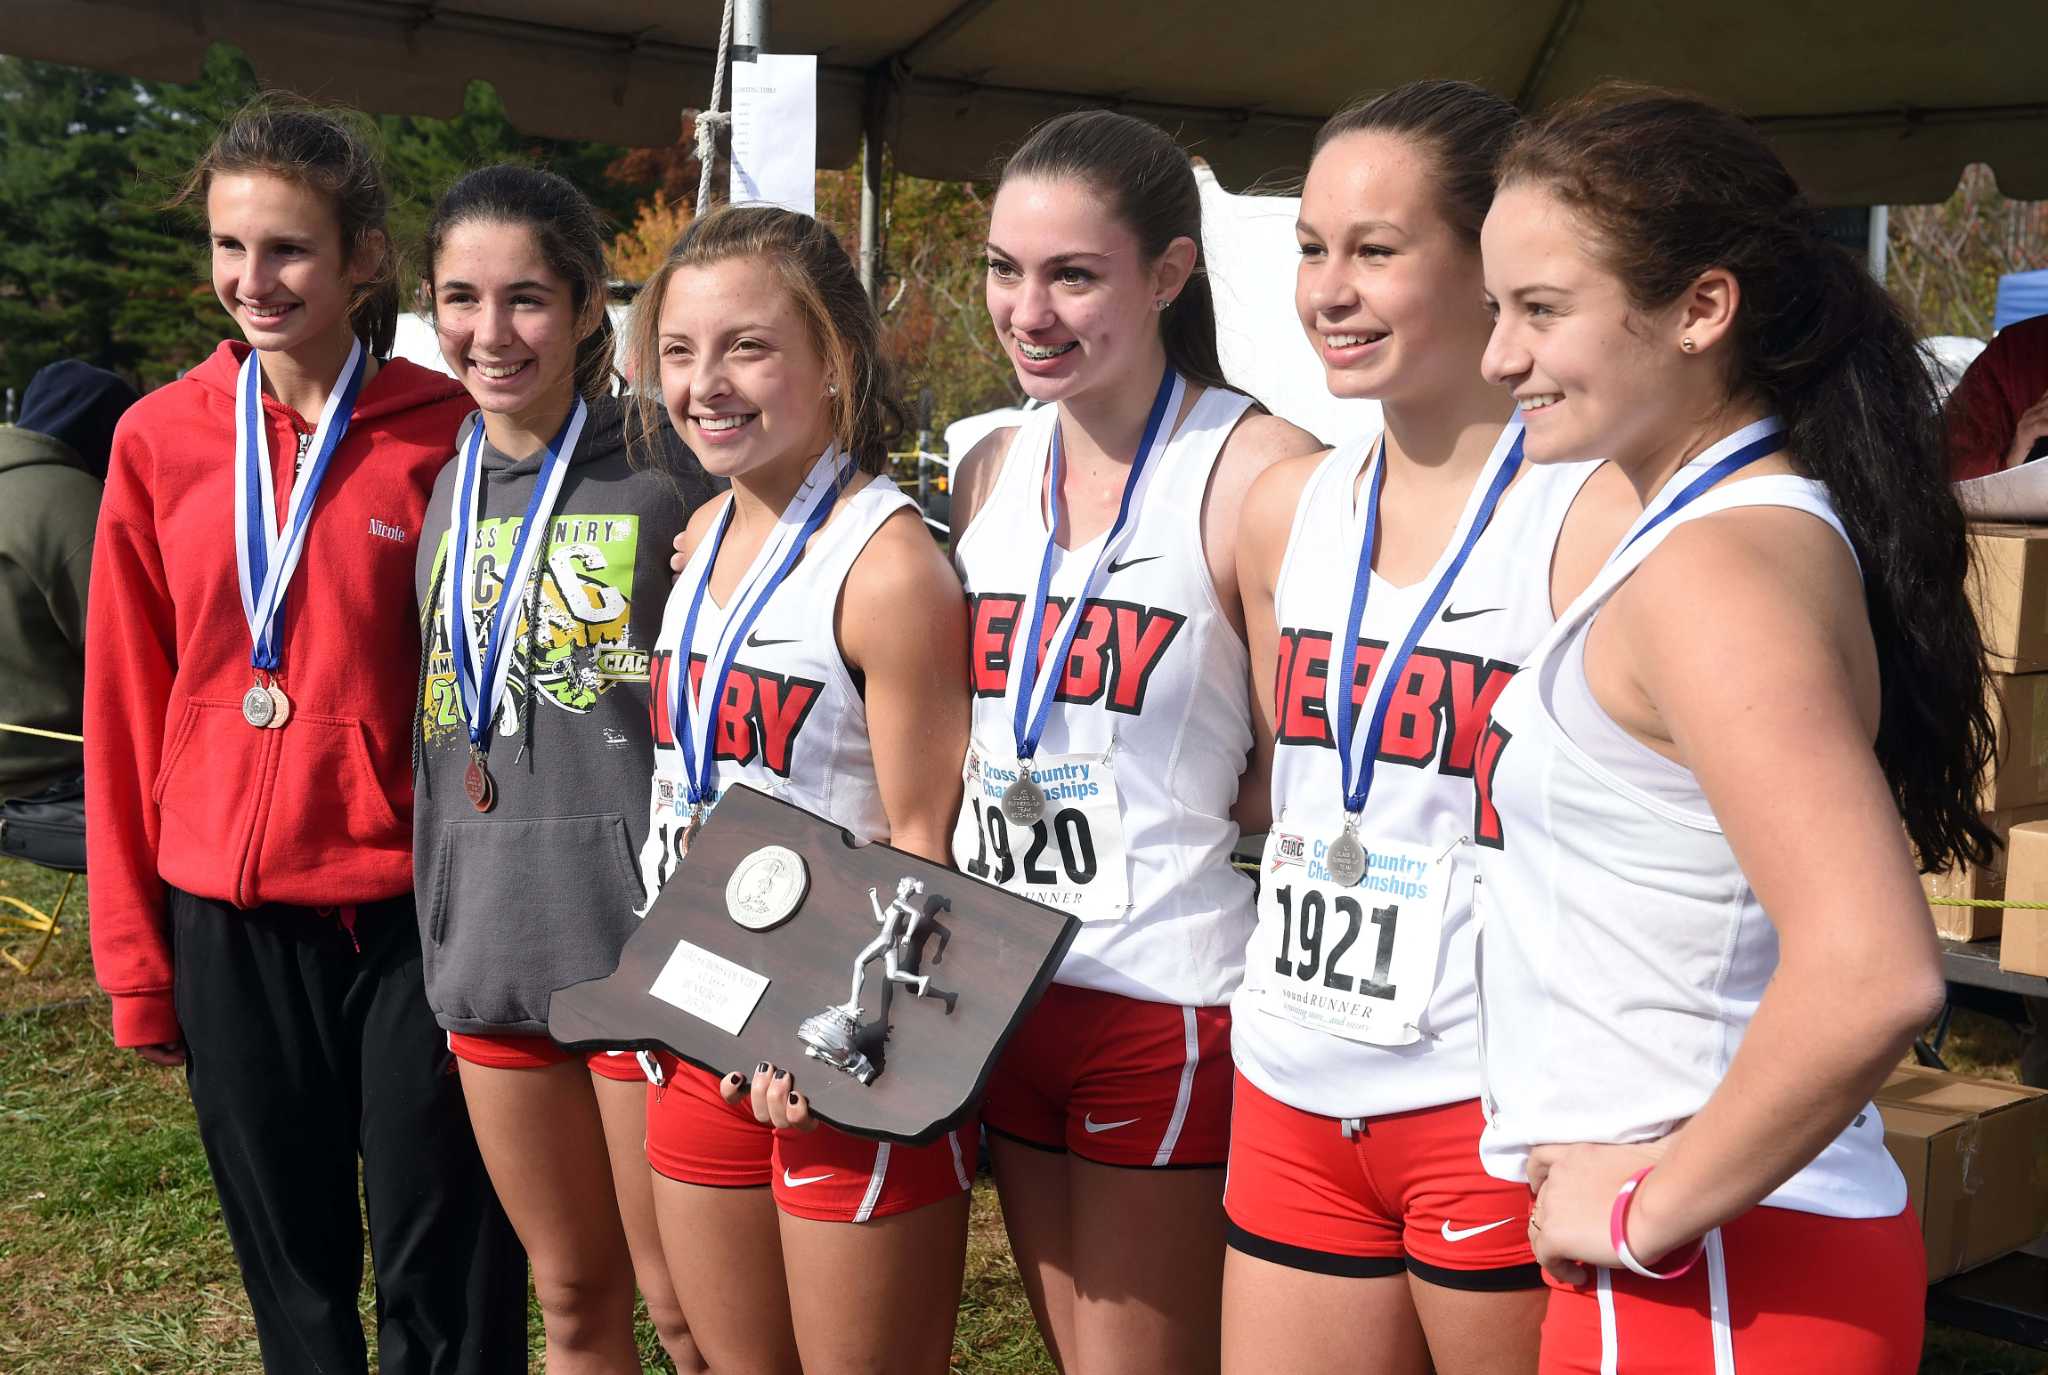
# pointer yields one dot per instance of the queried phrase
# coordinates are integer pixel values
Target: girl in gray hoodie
(542, 572)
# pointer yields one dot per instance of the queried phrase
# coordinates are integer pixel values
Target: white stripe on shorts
(959, 1165)
(1717, 1305)
(1610, 1340)
(1187, 1088)
(874, 1193)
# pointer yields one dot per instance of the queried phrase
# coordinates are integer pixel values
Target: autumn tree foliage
(1944, 261)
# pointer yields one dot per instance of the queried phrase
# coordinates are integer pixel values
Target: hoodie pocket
(519, 908)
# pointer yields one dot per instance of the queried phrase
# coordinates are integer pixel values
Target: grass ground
(112, 1256)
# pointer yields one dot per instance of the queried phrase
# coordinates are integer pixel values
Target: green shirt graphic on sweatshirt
(584, 644)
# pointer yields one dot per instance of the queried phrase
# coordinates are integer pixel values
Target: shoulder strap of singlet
(1023, 465)
(1777, 489)
(1334, 479)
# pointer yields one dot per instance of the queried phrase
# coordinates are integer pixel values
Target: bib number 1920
(1304, 922)
(1064, 832)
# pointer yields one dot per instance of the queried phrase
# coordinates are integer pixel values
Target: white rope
(711, 119)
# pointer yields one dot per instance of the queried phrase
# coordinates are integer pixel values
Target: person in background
(52, 467)
(1998, 414)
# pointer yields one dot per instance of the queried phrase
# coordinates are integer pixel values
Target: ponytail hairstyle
(1147, 182)
(1462, 127)
(332, 153)
(1669, 187)
(565, 228)
(825, 286)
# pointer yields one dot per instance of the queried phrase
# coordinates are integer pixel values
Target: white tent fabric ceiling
(1869, 101)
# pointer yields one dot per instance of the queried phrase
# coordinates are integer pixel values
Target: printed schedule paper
(775, 132)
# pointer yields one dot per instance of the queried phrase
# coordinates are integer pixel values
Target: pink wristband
(1617, 1232)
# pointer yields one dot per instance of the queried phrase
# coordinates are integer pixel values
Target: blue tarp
(2021, 296)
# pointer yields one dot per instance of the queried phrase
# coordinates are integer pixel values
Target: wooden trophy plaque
(754, 939)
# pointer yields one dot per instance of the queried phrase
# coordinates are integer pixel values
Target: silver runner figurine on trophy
(832, 1035)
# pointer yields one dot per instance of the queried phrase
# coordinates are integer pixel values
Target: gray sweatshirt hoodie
(540, 891)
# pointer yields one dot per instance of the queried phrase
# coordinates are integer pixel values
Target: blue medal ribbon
(266, 557)
(1357, 774)
(1741, 449)
(482, 670)
(697, 741)
(1029, 718)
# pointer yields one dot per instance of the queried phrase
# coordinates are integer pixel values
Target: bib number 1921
(1064, 832)
(1305, 923)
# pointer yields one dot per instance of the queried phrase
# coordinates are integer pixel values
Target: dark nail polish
(761, 1068)
(780, 1075)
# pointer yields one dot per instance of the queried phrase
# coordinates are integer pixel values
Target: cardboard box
(2009, 589)
(1987, 880)
(2023, 943)
(2019, 714)
(1975, 1156)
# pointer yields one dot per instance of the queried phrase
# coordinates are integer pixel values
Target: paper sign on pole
(775, 132)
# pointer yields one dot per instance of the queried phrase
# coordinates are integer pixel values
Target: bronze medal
(281, 707)
(477, 785)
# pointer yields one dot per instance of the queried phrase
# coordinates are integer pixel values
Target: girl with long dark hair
(1112, 729)
(1703, 944)
(542, 573)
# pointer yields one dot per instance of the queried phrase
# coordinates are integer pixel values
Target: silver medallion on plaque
(1023, 800)
(258, 706)
(1345, 859)
(766, 888)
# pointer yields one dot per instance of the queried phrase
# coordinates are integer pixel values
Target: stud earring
(1687, 344)
(831, 389)
(1162, 303)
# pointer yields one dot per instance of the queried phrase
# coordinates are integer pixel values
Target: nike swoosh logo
(1460, 1233)
(797, 1181)
(754, 641)
(1114, 568)
(1089, 1121)
(1450, 615)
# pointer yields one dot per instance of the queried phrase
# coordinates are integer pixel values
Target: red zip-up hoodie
(182, 789)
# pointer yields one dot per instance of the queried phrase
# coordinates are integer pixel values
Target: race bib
(1071, 858)
(1357, 962)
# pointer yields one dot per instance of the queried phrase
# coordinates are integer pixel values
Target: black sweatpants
(310, 1045)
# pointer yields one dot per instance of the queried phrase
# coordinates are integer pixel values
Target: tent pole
(871, 149)
(749, 29)
(1880, 240)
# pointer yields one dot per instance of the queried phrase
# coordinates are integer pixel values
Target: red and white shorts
(1400, 1192)
(538, 1052)
(695, 1137)
(1116, 1080)
(1777, 1290)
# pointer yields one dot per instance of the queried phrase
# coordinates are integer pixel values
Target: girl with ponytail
(545, 550)
(252, 638)
(1703, 945)
(1108, 522)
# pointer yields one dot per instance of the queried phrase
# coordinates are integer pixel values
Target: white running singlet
(1149, 731)
(1316, 950)
(1621, 951)
(792, 723)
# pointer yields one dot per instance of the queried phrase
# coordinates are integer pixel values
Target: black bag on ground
(47, 828)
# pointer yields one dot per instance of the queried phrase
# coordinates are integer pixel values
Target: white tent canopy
(1869, 102)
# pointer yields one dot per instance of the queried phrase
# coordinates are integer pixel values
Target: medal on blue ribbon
(1040, 667)
(695, 713)
(1358, 754)
(481, 654)
(267, 555)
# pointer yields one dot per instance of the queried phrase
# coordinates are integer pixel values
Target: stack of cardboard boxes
(2009, 587)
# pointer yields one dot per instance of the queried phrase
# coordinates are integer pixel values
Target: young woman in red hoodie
(251, 656)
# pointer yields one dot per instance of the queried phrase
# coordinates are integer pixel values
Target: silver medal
(766, 888)
(258, 706)
(1345, 859)
(1023, 800)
